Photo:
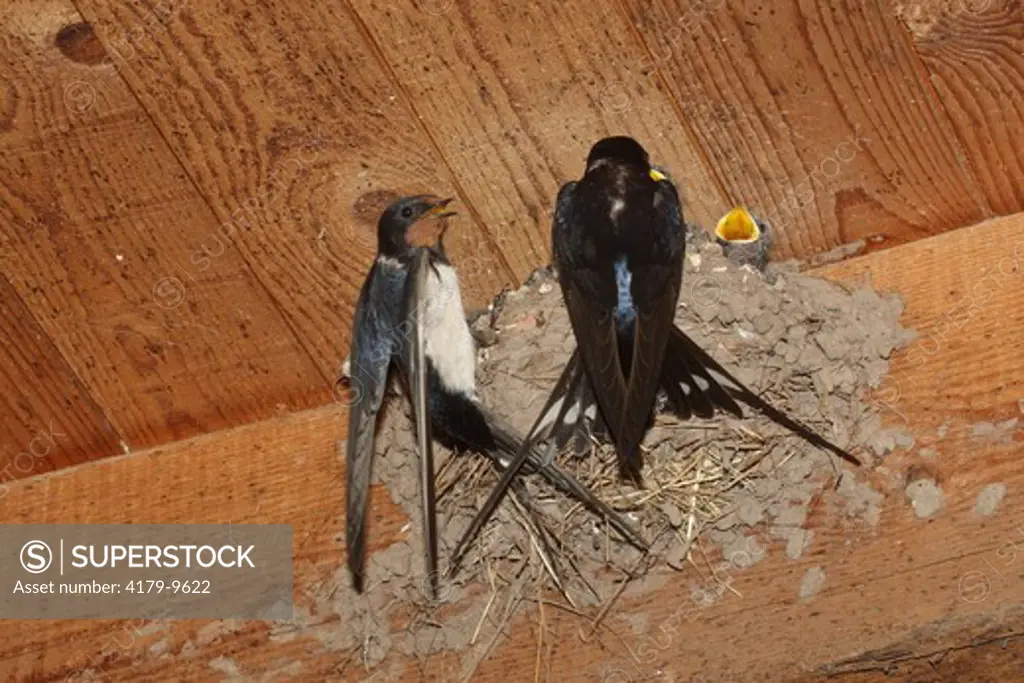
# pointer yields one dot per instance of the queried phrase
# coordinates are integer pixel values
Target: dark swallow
(378, 338)
(410, 313)
(618, 245)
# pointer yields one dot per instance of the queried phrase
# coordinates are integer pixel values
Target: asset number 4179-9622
(159, 586)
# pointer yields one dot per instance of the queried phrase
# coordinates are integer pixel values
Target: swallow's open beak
(744, 239)
(737, 226)
(439, 209)
(430, 229)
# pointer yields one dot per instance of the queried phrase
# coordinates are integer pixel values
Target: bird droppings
(637, 622)
(862, 500)
(997, 432)
(989, 499)
(159, 648)
(799, 540)
(925, 497)
(228, 667)
(884, 440)
(811, 584)
(215, 630)
(723, 491)
(152, 628)
(839, 253)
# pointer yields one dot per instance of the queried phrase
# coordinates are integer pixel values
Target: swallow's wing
(689, 382)
(373, 343)
(522, 452)
(721, 389)
(625, 395)
(571, 416)
(560, 415)
(590, 298)
(511, 453)
(415, 307)
(655, 287)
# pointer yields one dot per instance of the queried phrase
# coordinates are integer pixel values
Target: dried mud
(721, 488)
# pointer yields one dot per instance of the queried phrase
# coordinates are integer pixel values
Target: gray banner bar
(150, 571)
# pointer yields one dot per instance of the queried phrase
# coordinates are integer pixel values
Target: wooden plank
(283, 115)
(48, 419)
(999, 659)
(514, 94)
(98, 225)
(974, 54)
(816, 116)
(905, 590)
(228, 478)
(962, 292)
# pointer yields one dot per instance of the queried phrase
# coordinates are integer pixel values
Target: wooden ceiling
(188, 190)
(906, 600)
(188, 199)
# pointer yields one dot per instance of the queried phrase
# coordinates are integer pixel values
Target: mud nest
(718, 488)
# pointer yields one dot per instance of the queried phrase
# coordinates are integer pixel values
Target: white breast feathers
(449, 343)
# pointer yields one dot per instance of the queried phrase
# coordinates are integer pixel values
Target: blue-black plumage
(379, 338)
(618, 242)
(410, 314)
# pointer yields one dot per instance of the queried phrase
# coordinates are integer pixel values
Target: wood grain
(817, 116)
(97, 224)
(48, 419)
(904, 591)
(974, 54)
(286, 121)
(514, 94)
(1000, 659)
(963, 292)
(248, 475)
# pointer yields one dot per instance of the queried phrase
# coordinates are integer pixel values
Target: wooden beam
(905, 591)
(514, 94)
(48, 419)
(286, 119)
(98, 223)
(974, 56)
(286, 469)
(817, 116)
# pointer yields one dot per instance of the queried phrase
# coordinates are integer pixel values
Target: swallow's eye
(407, 212)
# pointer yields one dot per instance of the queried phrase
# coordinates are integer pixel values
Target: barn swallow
(410, 313)
(618, 245)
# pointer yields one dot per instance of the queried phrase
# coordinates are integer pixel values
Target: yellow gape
(737, 226)
(657, 175)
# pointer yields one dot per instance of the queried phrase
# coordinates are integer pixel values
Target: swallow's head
(622, 152)
(619, 149)
(400, 225)
(744, 238)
